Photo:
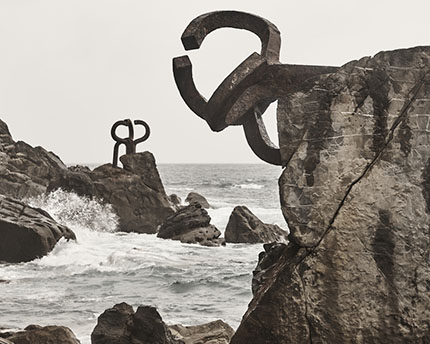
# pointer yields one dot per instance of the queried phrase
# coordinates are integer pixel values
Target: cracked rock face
(356, 194)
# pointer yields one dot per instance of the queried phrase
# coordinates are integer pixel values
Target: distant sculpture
(129, 142)
(247, 92)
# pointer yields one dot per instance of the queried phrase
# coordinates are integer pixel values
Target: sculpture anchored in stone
(129, 142)
(244, 95)
(355, 188)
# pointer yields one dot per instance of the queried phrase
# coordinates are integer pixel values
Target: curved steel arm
(147, 131)
(127, 123)
(203, 25)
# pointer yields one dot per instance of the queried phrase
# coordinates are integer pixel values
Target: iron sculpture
(245, 94)
(129, 142)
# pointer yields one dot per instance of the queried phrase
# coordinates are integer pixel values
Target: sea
(189, 284)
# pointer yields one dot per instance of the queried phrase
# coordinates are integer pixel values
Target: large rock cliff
(356, 194)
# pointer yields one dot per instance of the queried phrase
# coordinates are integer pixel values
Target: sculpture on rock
(129, 142)
(243, 97)
(355, 188)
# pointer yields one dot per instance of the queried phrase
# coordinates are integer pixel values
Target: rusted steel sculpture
(244, 95)
(129, 142)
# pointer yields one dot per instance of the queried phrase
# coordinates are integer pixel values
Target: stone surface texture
(35, 334)
(27, 233)
(136, 192)
(191, 225)
(25, 171)
(215, 332)
(244, 227)
(194, 197)
(356, 194)
(121, 325)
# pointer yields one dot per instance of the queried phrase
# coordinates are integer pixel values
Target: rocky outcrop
(27, 233)
(266, 261)
(121, 325)
(25, 171)
(215, 332)
(191, 225)
(175, 200)
(244, 227)
(136, 192)
(35, 334)
(356, 194)
(194, 197)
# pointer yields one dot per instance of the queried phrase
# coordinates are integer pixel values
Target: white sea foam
(249, 186)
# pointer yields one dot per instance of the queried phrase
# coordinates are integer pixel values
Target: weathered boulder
(215, 332)
(25, 171)
(356, 194)
(135, 192)
(244, 227)
(191, 225)
(121, 325)
(27, 233)
(175, 200)
(194, 197)
(266, 261)
(34, 334)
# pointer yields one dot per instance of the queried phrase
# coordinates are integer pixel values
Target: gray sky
(70, 69)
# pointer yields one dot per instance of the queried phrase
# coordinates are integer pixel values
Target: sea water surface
(189, 284)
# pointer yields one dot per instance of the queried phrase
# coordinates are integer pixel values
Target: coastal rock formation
(266, 261)
(191, 225)
(175, 200)
(27, 233)
(215, 332)
(244, 227)
(194, 197)
(35, 334)
(25, 171)
(136, 192)
(121, 325)
(356, 194)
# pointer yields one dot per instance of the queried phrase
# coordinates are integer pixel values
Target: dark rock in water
(143, 164)
(175, 200)
(27, 233)
(35, 334)
(136, 195)
(25, 171)
(244, 227)
(215, 332)
(356, 194)
(191, 225)
(266, 260)
(194, 197)
(121, 325)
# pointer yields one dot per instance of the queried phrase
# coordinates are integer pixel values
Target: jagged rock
(356, 194)
(143, 164)
(194, 197)
(244, 227)
(266, 260)
(35, 334)
(135, 193)
(25, 171)
(27, 233)
(175, 200)
(215, 332)
(191, 225)
(5, 341)
(121, 325)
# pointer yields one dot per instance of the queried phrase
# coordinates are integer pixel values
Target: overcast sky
(70, 69)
